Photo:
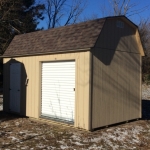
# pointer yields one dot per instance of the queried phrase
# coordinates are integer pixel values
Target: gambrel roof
(77, 37)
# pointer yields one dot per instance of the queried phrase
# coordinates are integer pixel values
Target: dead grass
(24, 133)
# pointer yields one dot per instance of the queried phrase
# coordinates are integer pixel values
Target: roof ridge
(79, 23)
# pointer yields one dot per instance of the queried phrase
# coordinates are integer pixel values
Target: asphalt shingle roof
(68, 38)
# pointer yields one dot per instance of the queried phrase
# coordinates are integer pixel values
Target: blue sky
(95, 7)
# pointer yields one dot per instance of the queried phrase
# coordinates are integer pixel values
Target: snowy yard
(25, 134)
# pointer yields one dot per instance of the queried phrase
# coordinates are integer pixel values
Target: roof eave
(47, 53)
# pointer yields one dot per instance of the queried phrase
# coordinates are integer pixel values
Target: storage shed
(87, 74)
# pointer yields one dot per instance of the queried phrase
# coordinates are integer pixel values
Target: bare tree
(63, 12)
(144, 28)
(130, 8)
(122, 7)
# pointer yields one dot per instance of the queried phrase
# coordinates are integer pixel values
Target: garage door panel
(58, 95)
(58, 84)
(55, 101)
(63, 91)
(62, 97)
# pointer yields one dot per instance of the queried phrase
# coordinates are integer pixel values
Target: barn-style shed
(88, 74)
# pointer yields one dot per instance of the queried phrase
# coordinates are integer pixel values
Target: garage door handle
(18, 90)
(73, 89)
(9, 89)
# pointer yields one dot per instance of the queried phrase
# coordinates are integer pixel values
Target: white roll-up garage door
(58, 90)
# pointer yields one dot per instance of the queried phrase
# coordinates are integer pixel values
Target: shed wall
(32, 67)
(121, 39)
(116, 95)
(116, 67)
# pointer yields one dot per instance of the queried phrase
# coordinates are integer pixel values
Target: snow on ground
(145, 92)
(24, 133)
(1, 107)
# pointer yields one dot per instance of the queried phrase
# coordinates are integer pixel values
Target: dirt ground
(28, 134)
(17, 133)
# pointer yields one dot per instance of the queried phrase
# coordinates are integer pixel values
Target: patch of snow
(75, 137)
(25, 147)
(61, 142)
(32, 134)
(95, 147)
(24, 131)
(145, 91)
(1, 107)
(13, 138)
(96, 140)
(40, 146)
(121, 135)
(18, 145)
(21, 132)
(64, 147)
(17, 123)
(79, 144)
(51, 147)
(6, 125)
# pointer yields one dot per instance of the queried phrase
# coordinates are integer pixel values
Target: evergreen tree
(17, 17)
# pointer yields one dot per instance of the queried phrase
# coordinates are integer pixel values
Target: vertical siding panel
(139, 83)
(37, 90)
(81, 92)
(33, 90)
(140, 112)
(122, 83)
(26, 63)
(28, 89)
(30, 103)
(34, 86)
(119, 99)
(86, 102)
(132, 79)
(6, 85)
(76, 92)
(39, 82)
(31, 98)
(106, 87)
(113, 85)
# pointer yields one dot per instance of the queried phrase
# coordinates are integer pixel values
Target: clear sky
(100, 8)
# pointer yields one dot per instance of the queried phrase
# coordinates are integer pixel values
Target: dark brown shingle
(68, 38)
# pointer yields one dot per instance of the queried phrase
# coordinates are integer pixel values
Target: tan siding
(122, 39)
(116, 87)
(33, 92)
(6, 86)
(139, 43)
